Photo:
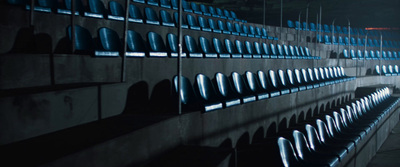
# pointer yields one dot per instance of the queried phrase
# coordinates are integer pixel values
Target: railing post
(126, 25)
(179, 59)
(73, 8)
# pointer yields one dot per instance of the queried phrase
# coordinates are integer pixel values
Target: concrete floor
(389, 154)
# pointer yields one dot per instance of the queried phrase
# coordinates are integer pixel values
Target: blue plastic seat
(250, 50)
(305, 79)
(189, 100)
(338, 29)
(153, 2)
(265, 86)
(376, 43)
(334, 41)
(232, 29)
(326, 39)
(353, 41)
(157, 46)
(234, 16)
(290, 23)
(340, 40)
(326, 28)
(186, 6)
(225, 89)
(230, 47)
(359, 54)
(208, 51)
(291, 83)
(299, 80)
(352, 54)
(292, 52)
(110, 43)
(220, 13)
(213, 12)
(195, 8)
(366, 55)
(265, 34)
(135, 15)
(313, 27)
(359, 42)
(265, 51)
(214, 27)
(377, 55)
(384, 56)
(174, 4)
(203, 23)
(283, 83)
(204, 9)
(151, 16)
(345, 54)
(312, 78)
(252, 32)
(192, 22)
(245, 31)
(306, 26)
(166, 19)
(346, 41)
(241, 49)
(83, 40)
(370, 43)
(67, 9)
(240, 86)
(273, 52)
(165, 3)
(228, 14)
(223, 28)
(96, 9)
(136, 46)
(209, 98)
(184, 23)
(297, 25)
(279, 52)
(220, 49)
(258, 52)
(192, 48)
(286, 52)
(345, 31)
(116, 11)
(297, 52)
(172, 44)
(41, 5)
(259, 34)
(273, 83)
(286, 150)
(254, 86)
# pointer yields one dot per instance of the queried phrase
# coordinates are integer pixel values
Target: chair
(250, 50)
(252, 32)
(305, 77)
(96, 9)
(352, 54)
(231, 28)
(334, 41)
(248, 30)
(282, 83)
(134, 14)
(340, 40)
(310, 77)
(243, 30)
(292, 52)
(318, 77)
(299, 80)
(339, 29)
(83, 39)
(353, 41)
(204, 9)
(241, 50)
(213, 12)
(68, 10)
(297, 52)
(203, 24)
(378, 55)
(254, 86)
(184, 23)
(157, 46)
(116, 11)
(223, 28)
(372, 55)
(288, 156)
(286, 52)
(151, 16)
(231, 49)
(110, 43)
(220, 13)
(265, 34)
(225, 90)
(166, 19)
(208, 51)
(280, 51)
(214, 27)
(189, 100)
(384, 56)
(385, 71)
(220, 49)
(206, 91)
(153, 2)
(297, 25)
(366, 55)
(273, 53)
(265, 51)
(186, 6)
(346, 41)
(192, 48)
(228, 14)
(330, 140)
(293, 84)
(258, 51)
(290, 23)
(313, 27)
(172, 44)
(241, 88)
(326, 39)
(136, 47)
(195, 8)
(234, 16)
(192, 22)
(306, 27)
(259, 34)
(174, 4)
(273, 83)
(165, 4)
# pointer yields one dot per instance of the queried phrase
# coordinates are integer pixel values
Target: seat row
(387, 71)
(110, 44)
(222, 91)
(371, 55)
(329, 137)
(96, 8)
(360, 42)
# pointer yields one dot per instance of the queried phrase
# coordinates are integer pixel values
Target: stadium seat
(289, 157)
(96, 9)
(151, 16)
(264, 83)
(330, 140)
(240, 86)
(165, 4)
(265, 51)
(195, 8)
(192, 22)
(279, 50)
(184, 23)
(245, 31)
(252, 32)
(203, 23)
(326, 39)
(291, 83)
(274, 85)
(192, 48)
(157, 47)
(345, 54)
(286, 52)
(186, 6)
(110, 43)
(359, 55)
(220, 13)
(313, 27)
(172, 44)
(116, 11)
(136, 46)
(306, 27)
(251, 50)
(283, 83)
(223, 28)
(366, 55)
(139, 1)
(189, 100)
(153, 2)
(205, 46)
(66, 8)
(234, 16)
(334, 41)
(220, 49)
(254, 86)
(226, 91)
(83, 40)
(174, 4)
(134, 14)
(242, 50)
(311, 78)
(208, 95)
(273, 52)
(352, 54)
(290, 24)
(258, 51)
(213, 12)
(227, 14)
(327, 29)
(205, 10)
(166, 19)
(232, 29)
(297, 25)
(230, 47)
(214, 27)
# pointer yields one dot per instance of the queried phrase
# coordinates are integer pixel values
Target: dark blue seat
(258, 33)
(220, 13)
(273, 83)
(240, 48)
(376, 43)
(135, 15)
(213, 12)
(184, 22)
(385, 71)
(189, 100)
(327, 40)
(346, 41)
(319, 75)
(264, 83)
(297, 52)
(283, 84)
(174, 4)
(338, 29)
(220, 49)
(352, 54)
(326, 28)
(288, 156)
(230, 28)
(246, 31)
(359, 42)
(214, 27)
(195, 8)
(292, 52)
(306, 26)
(205, 89)
(291, 83)
(172, 44)
(136, 46)
(116, 11)
(313, 27)
(359, 54)
(265, 34)
(42, 5)
(252, 32)
(240, 86)
(208, 51)
(226, 91)
(297, 25)
(265, 51)
(255, 87)
(153, 2)
(290, 24)
(353, 41)
(250, 50)
(330, 140)
(258, 51)
(186, 6)
(286, 52)
(192, 48)
(305, 79)
(377, 70)
(165, 3)
(378, 55)
(66, 9)
(234, 16)
(96, 9)
(110, 43)
(203, 23)
(83, 40)
(372, 55)
(312, 78)
(366, 55)
(298, 80)
(230, 47)
(204, 9)
(228, 14)
(239, 30)
(192, 22)
(346, 54)
(166, 19)
(340, 40)
(280, 53)
(384, 56)
(151, 16)
(273, 53)
(223, 28)
(157, 47)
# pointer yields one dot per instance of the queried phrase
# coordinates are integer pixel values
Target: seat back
(282, 78)
(150, 14)
(204, 9)
(135, 42)
(323, 131)
(203, 22)
(316, 74)
(265, 49)
(224, 86)
(220, 12)
(219, 48)
(290, 77)
(273, 49)
(195, 7)
(134, 12)
(292, 51)
(372, 54)
(109, 39)
(205, 45)
(192, 21)
(359, 54)
(263, 80)
(310, 75)
(313, 138)
(186, 93)
(264, 32)
(78, 5)
(301, 145)
(176, 17)
(257, 48)
(233, 14)
(290, 24)
(298, 76)
(172, 41)
(345, 53)
(238, 84)
(116, 8)
(205, 89)
(227, 14)
(230, 47)
(237, 28)
(252, 31)
(289, 157)
(212, 24)
(304, 75)
(96, 6)
(286, 50)
(212, 11)
(352, 54)
(156, 42)
(245, 29)
(186, 6)
(222, 25)
(272, 79)
(384, 70)
(83, 38)
(165, 3)
(191, 45)
(166, 17)
(252, 82)
(249, 47)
